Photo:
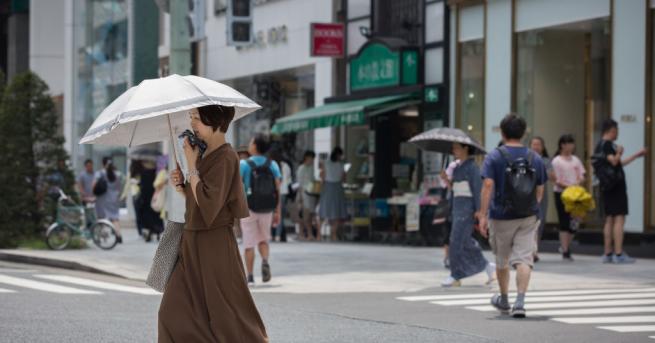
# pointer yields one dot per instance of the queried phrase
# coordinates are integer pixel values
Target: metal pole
(180, 55)
(179, 63)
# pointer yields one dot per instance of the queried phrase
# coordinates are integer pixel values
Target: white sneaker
(450, 282)
(491, 273)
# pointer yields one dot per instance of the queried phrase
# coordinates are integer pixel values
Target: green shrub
(33, 159)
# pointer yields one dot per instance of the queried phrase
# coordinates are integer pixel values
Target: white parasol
(157, 108)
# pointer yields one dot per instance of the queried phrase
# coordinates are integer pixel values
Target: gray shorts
(512, 241)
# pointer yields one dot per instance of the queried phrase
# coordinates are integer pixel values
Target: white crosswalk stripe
(594, 311)
(532, 300)
(606, 320)
(53, 283)
(43, 286)
(630, 328)
(99, 284)
(532, 294)
(577, 304)
(629, 310)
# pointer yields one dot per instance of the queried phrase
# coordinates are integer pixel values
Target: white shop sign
(412, 213)
(270, 37)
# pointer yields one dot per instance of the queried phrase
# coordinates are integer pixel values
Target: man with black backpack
(261, 179)
(514, 178)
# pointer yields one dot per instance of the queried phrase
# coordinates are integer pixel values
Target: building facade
(565, 66)
(276, 70)
(391, 85)
(89, 52)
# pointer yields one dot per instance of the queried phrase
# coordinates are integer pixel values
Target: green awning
(352, 112)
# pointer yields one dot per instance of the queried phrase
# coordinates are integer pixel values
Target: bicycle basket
(73, 215)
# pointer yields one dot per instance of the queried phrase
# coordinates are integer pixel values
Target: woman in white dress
(332, 205)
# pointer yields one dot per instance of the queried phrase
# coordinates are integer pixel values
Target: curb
(56, 263)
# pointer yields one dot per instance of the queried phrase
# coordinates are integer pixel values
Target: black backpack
(608, 175)
(262, 195)
(520, 191)
(100, 187)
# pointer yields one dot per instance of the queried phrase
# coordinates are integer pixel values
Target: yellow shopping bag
(577, 201)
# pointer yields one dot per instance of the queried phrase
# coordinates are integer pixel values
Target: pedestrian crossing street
(622, 310)
(65, 284)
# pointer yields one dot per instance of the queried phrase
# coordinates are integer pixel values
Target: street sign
(327, 40)
(410, 67)
(376, 65)
(431, 94)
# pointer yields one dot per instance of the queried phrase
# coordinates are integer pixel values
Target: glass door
(562, 86)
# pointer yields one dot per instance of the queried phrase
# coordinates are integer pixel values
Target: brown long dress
(207, 297)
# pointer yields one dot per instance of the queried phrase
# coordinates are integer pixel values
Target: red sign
(327, 40)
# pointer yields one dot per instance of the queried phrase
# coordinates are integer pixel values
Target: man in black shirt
(614, 191)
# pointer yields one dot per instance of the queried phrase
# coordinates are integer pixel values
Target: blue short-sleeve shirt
(494, 168)
(244, 169)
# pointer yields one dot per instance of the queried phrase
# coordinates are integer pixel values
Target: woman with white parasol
(206, 298)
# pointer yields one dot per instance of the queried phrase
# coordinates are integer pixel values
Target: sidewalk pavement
(129, 260)
(309, 267)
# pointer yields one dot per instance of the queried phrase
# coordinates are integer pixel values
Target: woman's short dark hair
(308, 154)
(336, 153)
(87, 161)
(136, 168)
(513, 126)
(275, 154)
(609, 124)
(216, 116)
(262, 143)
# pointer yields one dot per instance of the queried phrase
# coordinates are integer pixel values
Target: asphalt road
(371, 298)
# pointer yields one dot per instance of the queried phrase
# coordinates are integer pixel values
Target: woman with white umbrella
(199, 268)
(206, 298)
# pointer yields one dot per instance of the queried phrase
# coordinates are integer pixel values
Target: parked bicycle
(74, 220)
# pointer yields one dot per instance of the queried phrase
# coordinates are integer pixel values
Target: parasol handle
(445, 159)
(177, 165)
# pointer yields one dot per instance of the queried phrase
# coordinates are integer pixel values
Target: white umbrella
(157, 108)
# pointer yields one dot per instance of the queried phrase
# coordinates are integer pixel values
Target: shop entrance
(280, 94)
(562, 86)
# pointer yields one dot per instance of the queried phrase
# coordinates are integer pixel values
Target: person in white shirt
(307, 200)
(279, 234)
(332, 205)
(569, 171)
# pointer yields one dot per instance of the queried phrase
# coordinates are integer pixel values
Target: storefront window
(563, 84)
(280, 94)
(471, 88)
(101, 35)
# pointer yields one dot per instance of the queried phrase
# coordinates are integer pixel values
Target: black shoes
(518, 311)
(499, 304)
(266, 272)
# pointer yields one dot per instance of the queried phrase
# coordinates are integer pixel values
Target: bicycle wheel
(59, 237)
(104, 236)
